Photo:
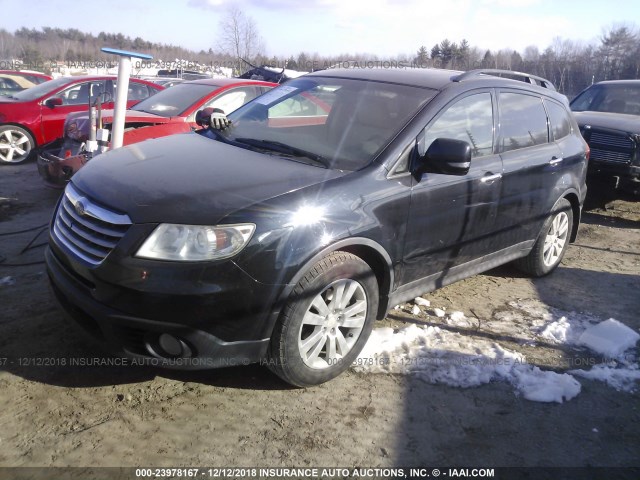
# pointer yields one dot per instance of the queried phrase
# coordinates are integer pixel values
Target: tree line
(570, 65)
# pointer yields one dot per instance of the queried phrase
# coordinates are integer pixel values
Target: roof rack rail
(524, 77)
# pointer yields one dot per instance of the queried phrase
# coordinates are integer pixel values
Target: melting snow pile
(609, 338)
(438, 355)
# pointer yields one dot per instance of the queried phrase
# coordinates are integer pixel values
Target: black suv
(283, 237)
(608, 114)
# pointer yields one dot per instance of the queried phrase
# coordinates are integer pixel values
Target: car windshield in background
(609, 98)
(41, 90)
(175, 100)
(337, 123)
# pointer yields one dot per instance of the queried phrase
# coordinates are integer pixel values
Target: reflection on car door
(452, 218)
(530, 165)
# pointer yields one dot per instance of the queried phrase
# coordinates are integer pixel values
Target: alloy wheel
(332, 324)
(556, 239)
(15, 146)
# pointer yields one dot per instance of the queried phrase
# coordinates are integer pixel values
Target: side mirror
(54, 102)
(447, 156)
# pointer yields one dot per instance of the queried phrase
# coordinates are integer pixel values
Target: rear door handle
(491, 178)
(555, 160)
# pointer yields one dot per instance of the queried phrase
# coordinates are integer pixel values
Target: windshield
(175, 100)
(615, 98)
(337, 123)
(42, 89)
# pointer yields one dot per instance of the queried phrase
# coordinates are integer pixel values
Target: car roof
(420, 77)
(435, 78)
(224, 82)
(619, 82)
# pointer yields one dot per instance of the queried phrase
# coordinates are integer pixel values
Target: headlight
(194, 243)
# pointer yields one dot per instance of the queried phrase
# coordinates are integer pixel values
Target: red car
(35, 116)
(170, 111)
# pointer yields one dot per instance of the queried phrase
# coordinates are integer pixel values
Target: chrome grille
(88, 230)
(598, 155)
(608, 140)
(611, 148)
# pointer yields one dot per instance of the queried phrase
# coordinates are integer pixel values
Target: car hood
(190, 179)
(614, 121)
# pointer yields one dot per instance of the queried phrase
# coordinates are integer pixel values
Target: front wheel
(16, 144)
(552, 242)
(326, 322)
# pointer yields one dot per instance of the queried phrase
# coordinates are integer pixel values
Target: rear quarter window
(559, 120)
(523, 121)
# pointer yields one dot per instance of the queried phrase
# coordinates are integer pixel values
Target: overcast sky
(330, 27)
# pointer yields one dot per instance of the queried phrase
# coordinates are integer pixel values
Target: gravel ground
(94, 415)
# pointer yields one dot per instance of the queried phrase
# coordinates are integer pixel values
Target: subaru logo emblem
(80, 207)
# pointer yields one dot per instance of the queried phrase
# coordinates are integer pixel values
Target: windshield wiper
(285, 149)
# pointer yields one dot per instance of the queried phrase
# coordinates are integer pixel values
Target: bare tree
(617, 45)
(240, 36)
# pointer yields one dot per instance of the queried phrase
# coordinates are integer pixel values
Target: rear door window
(523, 121)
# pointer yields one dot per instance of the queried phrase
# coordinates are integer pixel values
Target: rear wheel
(552, 242)
(326, 321)
(16, 144)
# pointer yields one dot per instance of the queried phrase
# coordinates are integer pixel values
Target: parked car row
(35, 116)
(608, 114)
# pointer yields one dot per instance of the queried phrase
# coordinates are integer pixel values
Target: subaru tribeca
(332, 197)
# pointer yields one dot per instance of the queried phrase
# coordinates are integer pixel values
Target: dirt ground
(57, 415)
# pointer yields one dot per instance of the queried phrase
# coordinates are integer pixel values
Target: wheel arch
(572, 197)
(371, 252)
(23, 127)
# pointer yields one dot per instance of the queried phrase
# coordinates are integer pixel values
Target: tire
(552, 242)
(326, 321)
(16, 144)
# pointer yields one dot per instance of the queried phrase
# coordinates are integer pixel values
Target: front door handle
(490, 178)
(555, 161)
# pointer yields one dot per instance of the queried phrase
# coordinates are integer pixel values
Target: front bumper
(58, 161)
(170, 344)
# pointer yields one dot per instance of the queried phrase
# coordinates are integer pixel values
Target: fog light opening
(169, 346)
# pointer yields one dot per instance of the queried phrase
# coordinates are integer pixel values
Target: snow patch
(439, 312)
(439, 356)
(557, 332)
(609, 338)
(458, 319)
(621, 378)
(423, 302)
(544, 386)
